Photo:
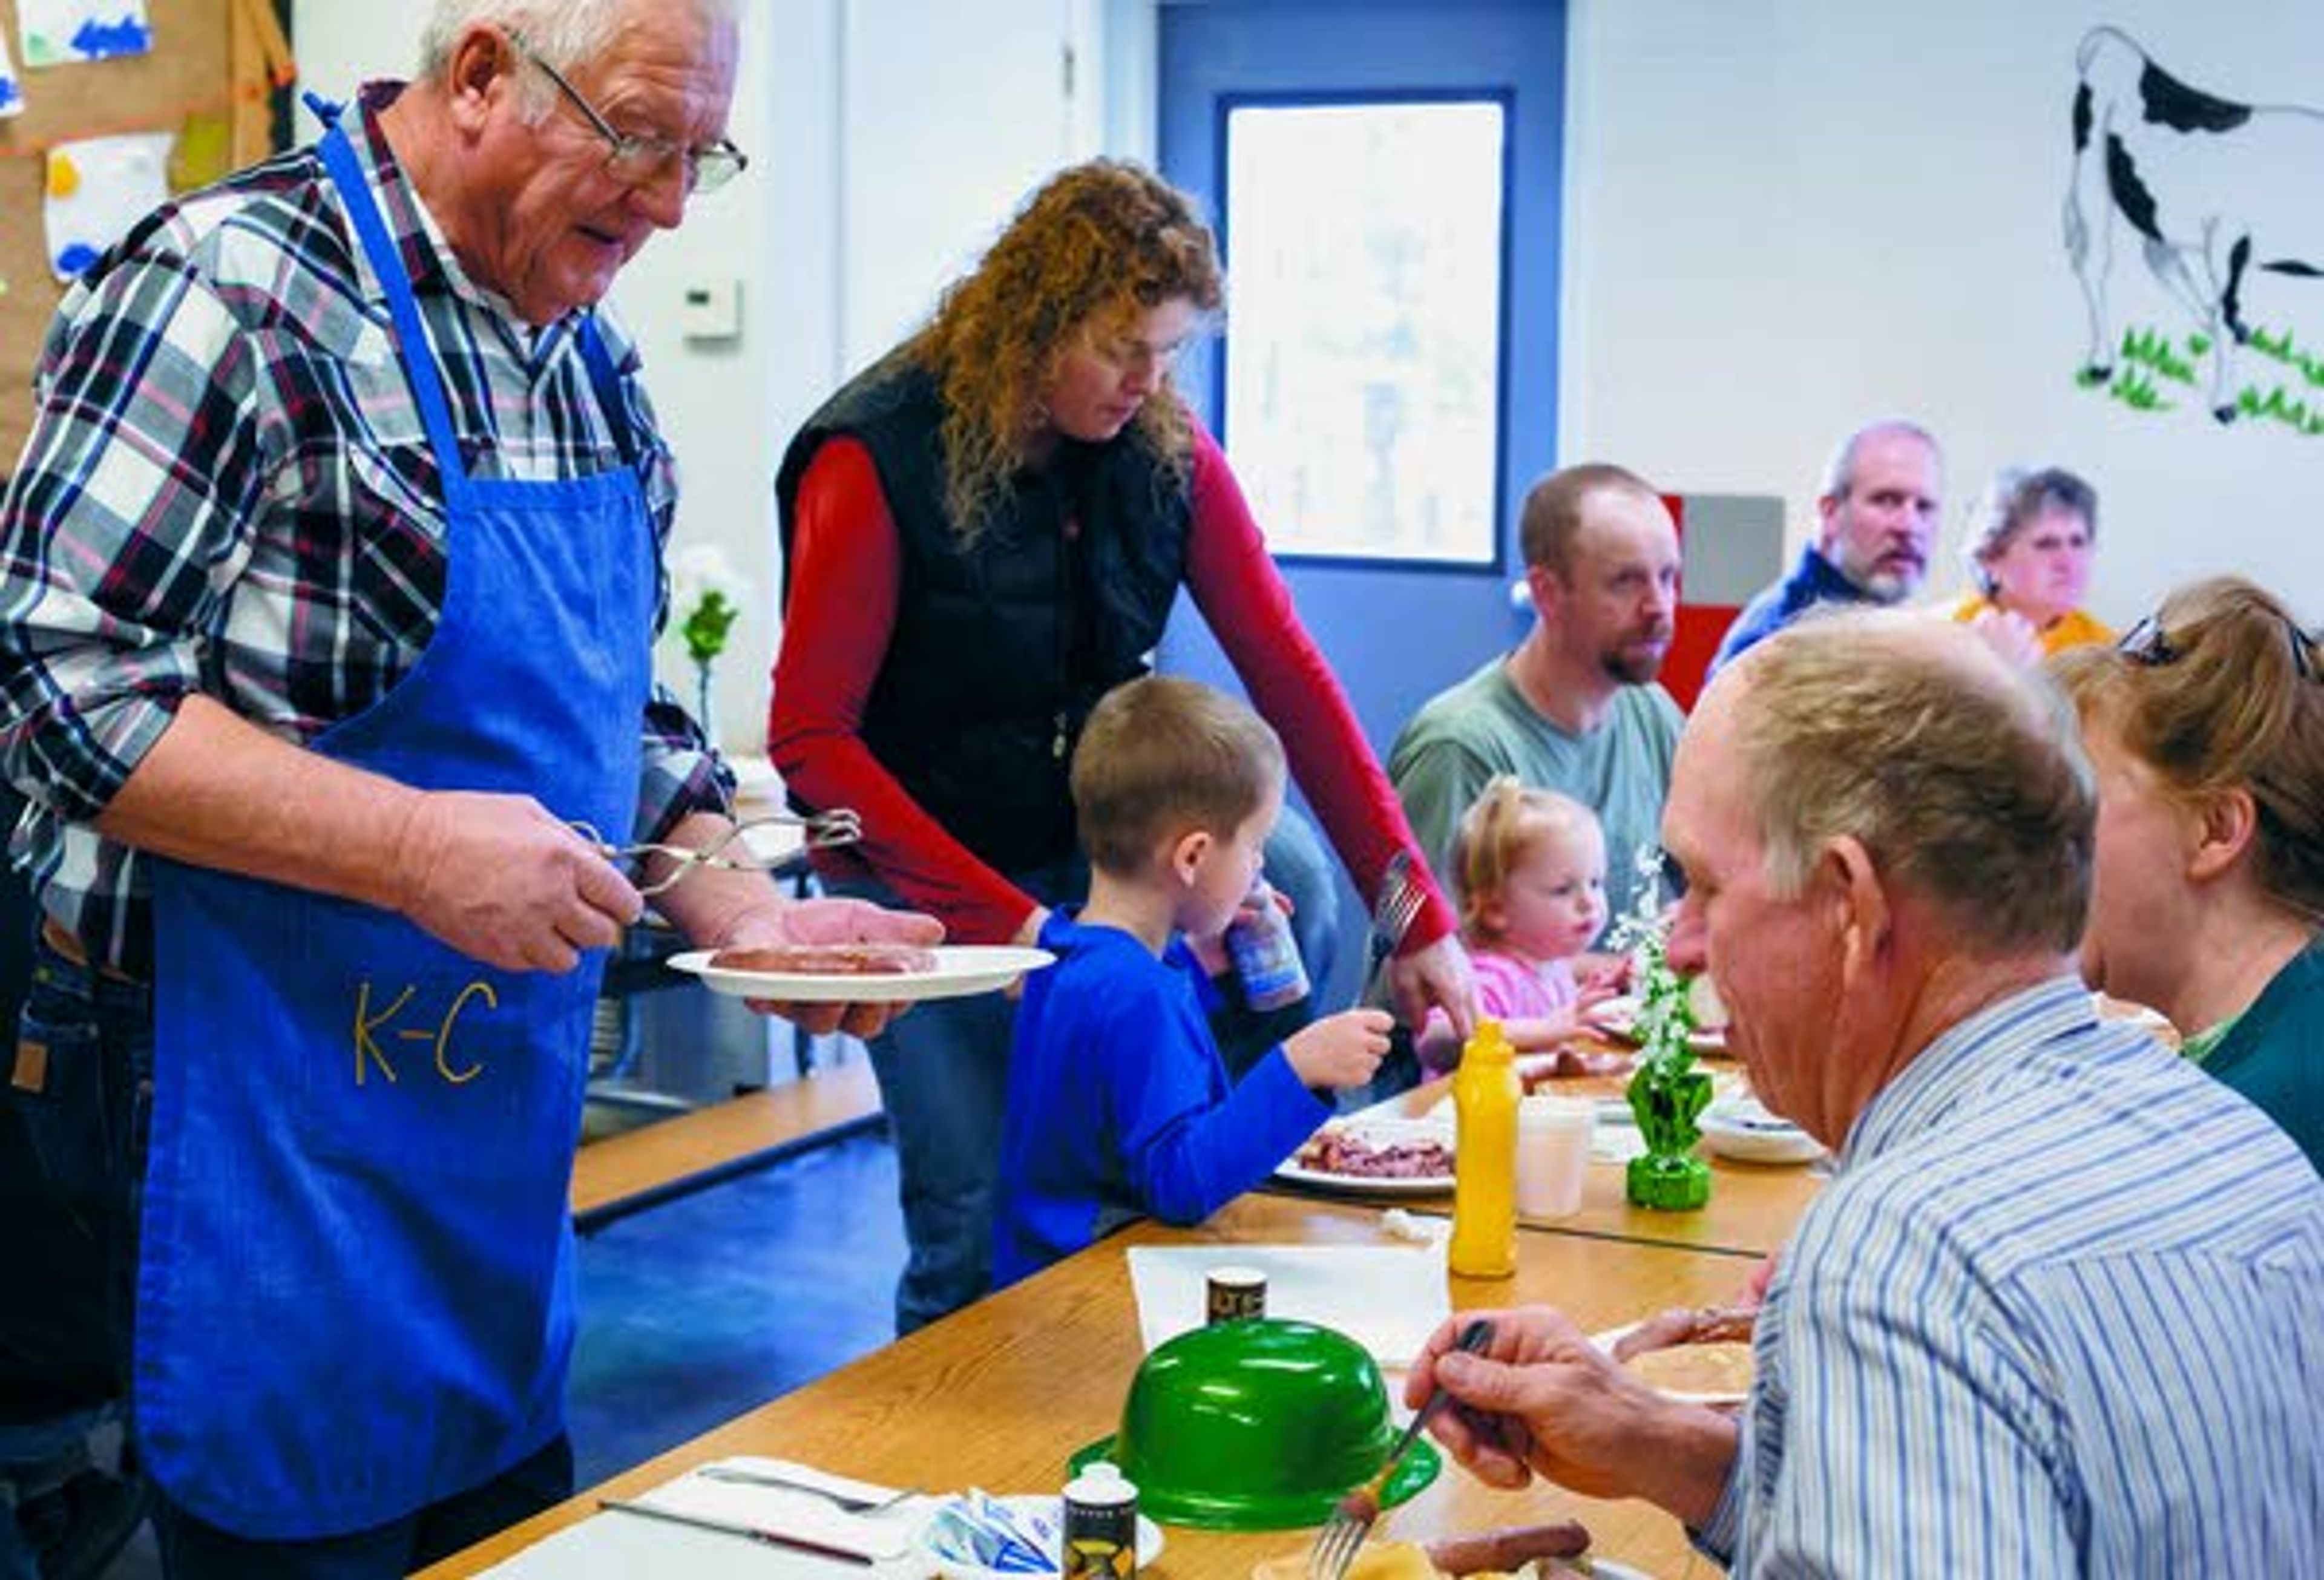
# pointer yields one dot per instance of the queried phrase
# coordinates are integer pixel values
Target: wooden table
(1752, 1210)
(999, 1394)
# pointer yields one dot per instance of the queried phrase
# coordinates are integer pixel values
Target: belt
(54, 934)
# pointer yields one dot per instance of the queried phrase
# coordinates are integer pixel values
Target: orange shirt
(2072, 628)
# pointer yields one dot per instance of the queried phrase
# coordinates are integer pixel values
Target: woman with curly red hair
(984, 532)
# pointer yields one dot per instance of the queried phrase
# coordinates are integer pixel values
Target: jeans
(193, 1550)
(944, 1082)
(79, 1109)
(75, 1131)
(34, 1460)
(1300, 868)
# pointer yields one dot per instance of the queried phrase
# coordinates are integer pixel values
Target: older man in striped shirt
(2057, 1314)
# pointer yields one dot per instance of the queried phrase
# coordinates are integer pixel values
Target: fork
(845, 1503)
(839, 826)
(1343, 1535)
(1399, 902)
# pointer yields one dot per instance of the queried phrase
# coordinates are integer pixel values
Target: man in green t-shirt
(1575, 706)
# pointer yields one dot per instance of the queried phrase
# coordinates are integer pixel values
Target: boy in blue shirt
(1119, 1105)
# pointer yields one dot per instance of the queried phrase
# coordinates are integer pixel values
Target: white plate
(1049, 1511)
(1384, 1132)
(1607, 1341)
(1422, 1185)
(961, 970)
(1740, 1129)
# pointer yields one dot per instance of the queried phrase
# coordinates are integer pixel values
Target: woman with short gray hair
(2029, 552)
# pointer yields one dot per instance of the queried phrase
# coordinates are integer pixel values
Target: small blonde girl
(1529, 869)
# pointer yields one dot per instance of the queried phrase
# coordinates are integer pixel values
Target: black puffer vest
(1001, 648)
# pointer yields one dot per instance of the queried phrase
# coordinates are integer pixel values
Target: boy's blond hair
(1162, 757)
(1508, 822)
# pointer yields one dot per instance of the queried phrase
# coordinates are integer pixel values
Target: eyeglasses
(637, 160)
(2147, 645)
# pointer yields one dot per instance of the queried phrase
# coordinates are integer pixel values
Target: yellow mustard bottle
(1485, 1095)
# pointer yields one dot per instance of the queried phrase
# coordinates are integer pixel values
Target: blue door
(1395, 631)
(1396, 627)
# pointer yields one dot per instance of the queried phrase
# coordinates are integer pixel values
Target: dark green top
(2275, 1053)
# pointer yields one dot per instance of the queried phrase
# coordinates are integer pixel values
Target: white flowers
(1665, 1018)
(706, 594)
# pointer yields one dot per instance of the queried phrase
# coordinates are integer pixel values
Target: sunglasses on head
(2148, 644)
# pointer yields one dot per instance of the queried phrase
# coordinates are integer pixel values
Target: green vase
(1667, 1095)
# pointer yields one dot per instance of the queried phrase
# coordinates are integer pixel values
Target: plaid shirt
(228, 491)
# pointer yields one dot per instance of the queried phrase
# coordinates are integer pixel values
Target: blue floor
(694, 1310)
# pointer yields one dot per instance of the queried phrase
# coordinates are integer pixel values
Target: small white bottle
(1101, 1535)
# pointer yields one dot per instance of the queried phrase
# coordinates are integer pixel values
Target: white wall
(1786, 215)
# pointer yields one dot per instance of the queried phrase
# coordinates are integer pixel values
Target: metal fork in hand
(821, 830)
(1399, 902)
(1343, 1535)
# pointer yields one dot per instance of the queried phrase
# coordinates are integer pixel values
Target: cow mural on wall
(2220, 198)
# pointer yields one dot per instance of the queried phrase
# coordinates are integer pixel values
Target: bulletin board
(214, 74)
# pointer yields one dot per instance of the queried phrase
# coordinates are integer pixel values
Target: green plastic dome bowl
(1256, 1426)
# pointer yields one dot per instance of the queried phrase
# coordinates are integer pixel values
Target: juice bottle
(1485, 1095)
(1266, 955)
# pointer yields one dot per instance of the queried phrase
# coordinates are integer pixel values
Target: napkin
(614, 1545)
(1389, 1299)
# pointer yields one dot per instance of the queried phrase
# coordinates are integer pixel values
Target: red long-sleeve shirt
(846, 568)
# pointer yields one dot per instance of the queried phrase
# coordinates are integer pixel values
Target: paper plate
(1741, 1130)
(1728, 1396)
(961, 970)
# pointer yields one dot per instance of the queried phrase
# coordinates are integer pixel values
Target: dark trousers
(72, 1149)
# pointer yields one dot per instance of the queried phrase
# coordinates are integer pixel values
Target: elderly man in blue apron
(328, 584)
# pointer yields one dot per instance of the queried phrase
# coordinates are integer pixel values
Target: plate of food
(1544, 1551)
(1376, 1157)
(1543, 1073)
(1714, 1371)
(859, 973)
(1741, 1129)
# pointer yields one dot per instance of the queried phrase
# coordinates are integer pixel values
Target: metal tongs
(732, 850)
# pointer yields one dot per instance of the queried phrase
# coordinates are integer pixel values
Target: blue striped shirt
(2062, 1312)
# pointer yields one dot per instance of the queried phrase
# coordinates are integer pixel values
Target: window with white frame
(1363, 352)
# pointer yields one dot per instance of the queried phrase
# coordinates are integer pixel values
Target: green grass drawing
(2308, 365)
(2148, 361)
(2137, 392)
(2151, 350)
(2274, 404)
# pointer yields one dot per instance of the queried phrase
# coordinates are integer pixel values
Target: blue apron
(355, 1291)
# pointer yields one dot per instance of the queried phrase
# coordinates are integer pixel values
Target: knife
(759, 1534)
